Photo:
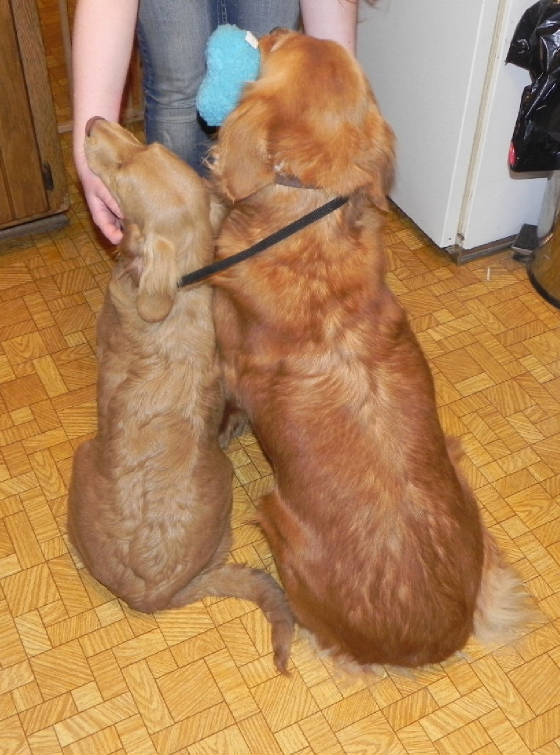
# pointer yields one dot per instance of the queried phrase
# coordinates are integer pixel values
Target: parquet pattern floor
(82, 674)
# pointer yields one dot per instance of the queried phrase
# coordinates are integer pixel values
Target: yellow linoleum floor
(81, 673)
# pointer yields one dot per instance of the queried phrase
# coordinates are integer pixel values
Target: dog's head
(310, 115)
(165, 206)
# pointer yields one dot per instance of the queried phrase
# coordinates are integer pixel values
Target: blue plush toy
(232, 59)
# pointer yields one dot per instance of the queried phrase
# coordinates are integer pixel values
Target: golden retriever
(150, 495)
(378, 542)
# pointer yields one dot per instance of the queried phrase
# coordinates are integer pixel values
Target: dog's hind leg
(82, 491)
(241, 581)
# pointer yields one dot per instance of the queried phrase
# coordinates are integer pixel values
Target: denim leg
(261, 16)
(172, 38)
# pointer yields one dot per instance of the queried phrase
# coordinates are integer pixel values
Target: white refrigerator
(438, 70)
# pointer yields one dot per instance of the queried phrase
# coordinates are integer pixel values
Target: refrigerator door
(497, 202)
(434, 67)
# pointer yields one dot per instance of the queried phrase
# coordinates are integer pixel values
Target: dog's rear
(150, 495)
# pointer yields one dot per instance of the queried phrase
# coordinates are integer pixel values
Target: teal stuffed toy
(232, 59)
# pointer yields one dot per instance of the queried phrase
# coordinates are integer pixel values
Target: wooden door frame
(33, 58)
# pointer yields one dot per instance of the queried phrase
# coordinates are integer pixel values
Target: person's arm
(331, 19)
(102, 40)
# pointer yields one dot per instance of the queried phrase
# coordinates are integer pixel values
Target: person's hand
(104, 209)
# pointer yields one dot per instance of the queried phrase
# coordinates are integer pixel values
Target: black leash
(260, 246)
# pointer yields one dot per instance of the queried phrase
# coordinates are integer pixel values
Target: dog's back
(156, 482)
(378, 545)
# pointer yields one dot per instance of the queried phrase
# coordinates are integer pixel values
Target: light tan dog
(150, 496)
(378, 542)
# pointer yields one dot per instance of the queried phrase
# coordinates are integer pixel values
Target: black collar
(205, 272)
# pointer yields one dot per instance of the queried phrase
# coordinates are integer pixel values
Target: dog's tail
(503, 608)
(241, 581)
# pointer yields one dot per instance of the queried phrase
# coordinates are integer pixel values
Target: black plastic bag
(535, 144)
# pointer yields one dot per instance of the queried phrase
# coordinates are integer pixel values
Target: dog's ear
(342, 150)
(157, 287)
(378, 162)
(150, 260)
(131, 251)
(242, 164)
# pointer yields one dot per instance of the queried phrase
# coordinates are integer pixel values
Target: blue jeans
(172, 37)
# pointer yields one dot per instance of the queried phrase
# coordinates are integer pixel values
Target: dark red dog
(378, 542)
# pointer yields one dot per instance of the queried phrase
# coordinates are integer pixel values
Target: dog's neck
(286, 231)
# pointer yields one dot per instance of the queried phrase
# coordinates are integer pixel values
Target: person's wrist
(80, 161)
(82, 168)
